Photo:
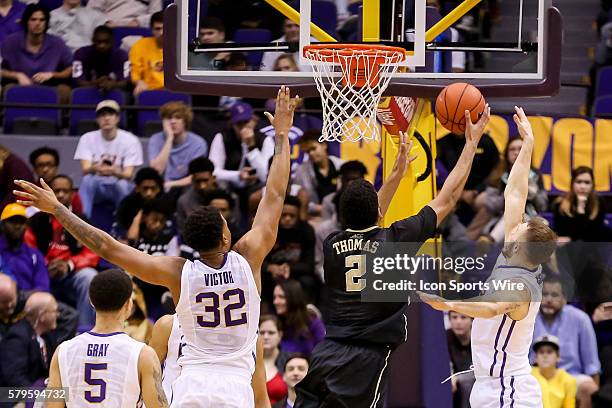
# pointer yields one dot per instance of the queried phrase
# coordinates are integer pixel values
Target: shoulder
(147, 359)
(567, 378)
(118, 53)
(21, 329)
(195, 138)
(90, 136)
(128, 136)
(577, 314)
(336, 161)
(13, 41)
(83, 52)
(156, 137)
(54, 40)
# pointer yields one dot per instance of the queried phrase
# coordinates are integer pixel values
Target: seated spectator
(138, 326)
(303, 329)
(286, 63)
(212, 31)
(10, 16)
(202, 182)
(293, 254)
(274, 358)
(291, 34)
(349, 171)
(35, 57)
(26, 264)
(101, 64)
(149, 185)
(558, 387)
(12, 303)
(45, 161)
(319, 174)
(577, 342)
(224, 202)
(147, 58)
(75, 24)
(71, 265)
(148, 232)
(459, 348)
(108, 157)
(12, 168)
(579, 214)
(323, 230)
(296, 369)
(171, 150)
(126, 13)
(27, 348)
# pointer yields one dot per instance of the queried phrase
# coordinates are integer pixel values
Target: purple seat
(91, 96)
(155, 98)
(120, 32)
(353, 8)
(51, 4)
(325, 14)
(253, 35)
(603, 86)
(603, 106)
(33, 114)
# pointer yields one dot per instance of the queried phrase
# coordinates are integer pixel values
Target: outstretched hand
(42, 198)
(437, 302)
(474, 131)
(403, 159)
(522, 124)
(283, 113)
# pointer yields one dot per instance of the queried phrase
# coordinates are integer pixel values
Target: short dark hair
(353, 166)
(212, 23)
(159, 205)
(157, 17)
(203, 229)
(201, 165)
(219, 194)
(359, 205)
(62, 176)
(31, 9)
(237, 58)
(293, 200)
(36, 153)
(293, 356)
(109, 290)
(103, 29)
(148, 173)
(311, 135)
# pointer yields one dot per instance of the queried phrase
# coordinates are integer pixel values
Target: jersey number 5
(89, 396)
(353, 275)
(214, 308)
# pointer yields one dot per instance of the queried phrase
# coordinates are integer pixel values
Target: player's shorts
(344, 375)
(198, 387)
(521, 391)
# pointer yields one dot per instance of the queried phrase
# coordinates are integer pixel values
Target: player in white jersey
(218, 296)
(105, 367)
(503, 320)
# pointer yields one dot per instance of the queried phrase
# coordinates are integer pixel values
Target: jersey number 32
(233, 300)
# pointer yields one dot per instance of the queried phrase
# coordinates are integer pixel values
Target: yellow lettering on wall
(563, 131)
(603, 155)
(498, 129)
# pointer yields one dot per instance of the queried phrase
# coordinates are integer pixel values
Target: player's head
(553, 297)
(296, 368)
(533, 242)
(270, 332)
(359, 205)
(110, 292)
(546, 350)
(206, 231)
(460, 324)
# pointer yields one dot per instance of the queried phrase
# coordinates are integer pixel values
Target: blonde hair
(171, 109)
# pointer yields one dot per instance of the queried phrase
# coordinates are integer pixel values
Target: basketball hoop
(351, 94)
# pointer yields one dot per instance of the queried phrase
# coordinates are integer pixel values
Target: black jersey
(350, 319)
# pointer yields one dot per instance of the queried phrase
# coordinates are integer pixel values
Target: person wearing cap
(558, 387)
(108, 157)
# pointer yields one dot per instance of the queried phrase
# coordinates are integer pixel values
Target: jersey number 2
(353, 275)
(214, 308)
(89, 396)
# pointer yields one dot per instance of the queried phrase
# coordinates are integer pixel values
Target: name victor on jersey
(219, 278)
(355, 244)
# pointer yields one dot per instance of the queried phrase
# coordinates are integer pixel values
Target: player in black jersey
(348, 367)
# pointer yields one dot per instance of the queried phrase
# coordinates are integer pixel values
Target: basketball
(453, 101)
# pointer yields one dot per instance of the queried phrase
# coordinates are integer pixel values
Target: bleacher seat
(120, 32)
(84, 120)
(603, 105)
(353, 8)
(148, 121)
(603, 86)
(32, 120)
(51, 4)
(323, 13)
(253, 35)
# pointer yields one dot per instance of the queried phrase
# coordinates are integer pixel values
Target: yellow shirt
(559, 391)
(147, 61)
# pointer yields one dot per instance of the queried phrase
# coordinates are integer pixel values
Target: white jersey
(101, 370)
(171, 368)
(500, 345)
(218, 311)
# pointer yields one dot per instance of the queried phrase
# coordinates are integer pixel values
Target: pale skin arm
(256, 243)
(160, 336)
(55, 381)
(259, 379)
(160, 161)
(388, 189)
(158, 270)
(149, 371)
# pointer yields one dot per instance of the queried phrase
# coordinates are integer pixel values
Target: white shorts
(521, 391)
(195, 388)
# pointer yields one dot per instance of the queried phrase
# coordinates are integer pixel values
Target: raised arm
(158, 270)
(149, 371)
(389, 187)
(517, 188)
(451, 191)
(256, 243)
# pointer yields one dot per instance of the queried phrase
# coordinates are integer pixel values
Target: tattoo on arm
(278, 144)
(161, 395)
(89, 235)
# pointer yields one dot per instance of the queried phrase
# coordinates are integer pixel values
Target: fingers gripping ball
(452, 103)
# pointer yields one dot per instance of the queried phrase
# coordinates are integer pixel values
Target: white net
(351, 82)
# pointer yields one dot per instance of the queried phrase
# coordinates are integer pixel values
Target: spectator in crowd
(149, 185)
(274, 359)
(35, 57)
(138, 326)
(323, 230)
(12, 303)
(71, 265)
(202, 182)
(224, 202)
(26, 264)
(349, 171)
(286, 63)
(293, 254)
(10, 16)
(291, 34)
(303, 329)
(212, 31)
(558, 387)
(171, 150)
(296, 369)
(147, 58)
(579, 214)
(12, 168)
(75, 24)
(101, 64)
(148, 232)
(26, 350)
(319, 174)
(127, 13)
(108, 157)
(45, 161)
(578, 345)
(459, 348)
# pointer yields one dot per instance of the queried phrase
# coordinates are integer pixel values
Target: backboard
(519, 55)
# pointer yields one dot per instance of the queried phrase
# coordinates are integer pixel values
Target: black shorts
(344, 375)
